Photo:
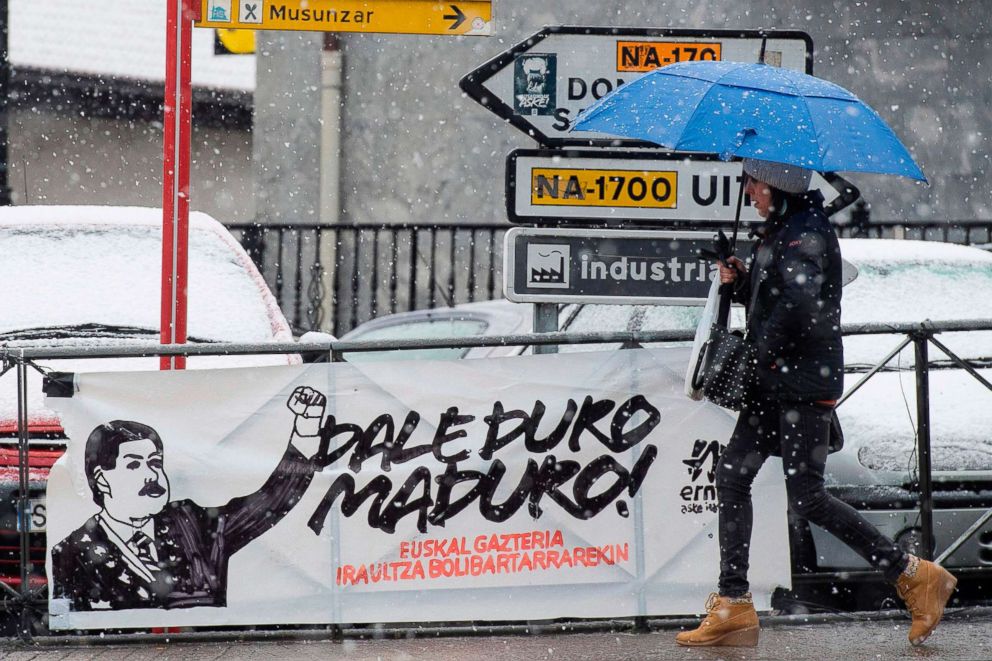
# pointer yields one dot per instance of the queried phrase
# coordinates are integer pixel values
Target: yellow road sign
(583, 187)
(455, 17)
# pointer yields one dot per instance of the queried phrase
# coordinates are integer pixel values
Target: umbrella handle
(737, 215)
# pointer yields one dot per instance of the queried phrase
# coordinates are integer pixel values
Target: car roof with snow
(71, 266)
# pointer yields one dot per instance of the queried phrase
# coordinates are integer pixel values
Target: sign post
(540, 86)
(176, 165)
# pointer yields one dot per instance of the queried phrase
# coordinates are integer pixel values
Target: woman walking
(793, 293)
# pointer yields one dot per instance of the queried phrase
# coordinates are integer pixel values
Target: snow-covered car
(90, 276)
(898, 282)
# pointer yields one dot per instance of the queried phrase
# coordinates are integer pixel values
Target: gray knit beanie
(786, 178)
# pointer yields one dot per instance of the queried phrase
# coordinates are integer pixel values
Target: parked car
(898, 282)
(90, 276)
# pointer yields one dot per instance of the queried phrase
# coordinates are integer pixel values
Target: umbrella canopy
(752, 110)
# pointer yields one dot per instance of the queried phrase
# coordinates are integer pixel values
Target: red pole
(176, 166)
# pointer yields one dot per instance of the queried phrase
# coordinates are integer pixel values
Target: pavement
(965, 635)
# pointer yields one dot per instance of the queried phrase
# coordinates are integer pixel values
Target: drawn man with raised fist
(142, 550)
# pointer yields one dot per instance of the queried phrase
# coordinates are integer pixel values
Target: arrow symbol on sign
(458, 17)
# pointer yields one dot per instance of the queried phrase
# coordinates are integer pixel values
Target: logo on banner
(535, 84)
(700, 494)
(251, 12)
(219, 10)
(548, 265)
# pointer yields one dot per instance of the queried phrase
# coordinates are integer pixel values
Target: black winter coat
(794, 316)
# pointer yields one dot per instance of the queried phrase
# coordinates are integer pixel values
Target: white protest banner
(535, 487)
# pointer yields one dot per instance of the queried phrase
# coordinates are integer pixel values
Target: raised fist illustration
(308, 405)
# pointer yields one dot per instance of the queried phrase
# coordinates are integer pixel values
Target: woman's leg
(735, 472)
(804, 434)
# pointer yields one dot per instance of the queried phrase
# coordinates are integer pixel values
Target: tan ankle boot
(926, 593)
(729, 623)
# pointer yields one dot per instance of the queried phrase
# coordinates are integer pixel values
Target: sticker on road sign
(219, 11)
(534, 85)
(548, 265)
(251, 12)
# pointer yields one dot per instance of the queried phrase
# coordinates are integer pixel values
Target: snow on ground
(124, 38)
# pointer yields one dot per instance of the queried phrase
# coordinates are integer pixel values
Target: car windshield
(445, 327)
(108, 275)
(888, 291)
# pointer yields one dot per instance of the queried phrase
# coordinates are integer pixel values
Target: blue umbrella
(752, 110)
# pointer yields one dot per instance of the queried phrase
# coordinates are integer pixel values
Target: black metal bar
(356, 258)
(279, 261)
(336, 283)
(491, 282)
(394, 255)
(451, 266)
(431, 269)
(316, 291)
(471, 266)
(374, 280)
(298, 280)
(23, 497)
(411, 301)
(923, 443)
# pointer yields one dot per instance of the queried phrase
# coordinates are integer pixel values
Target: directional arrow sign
(542, 83)
(457, 18)
(635, 188)
(464, 17)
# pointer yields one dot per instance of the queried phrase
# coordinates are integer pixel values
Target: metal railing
(27, 599)
(334, 277)
(972, 233)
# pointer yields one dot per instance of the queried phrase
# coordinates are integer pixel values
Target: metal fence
(26, 595)
(334, 277)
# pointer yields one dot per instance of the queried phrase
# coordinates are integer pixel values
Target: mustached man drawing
(142, 550)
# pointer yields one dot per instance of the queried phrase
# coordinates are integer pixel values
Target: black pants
(802, 433)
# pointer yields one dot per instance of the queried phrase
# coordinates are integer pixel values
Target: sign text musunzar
(278, 12)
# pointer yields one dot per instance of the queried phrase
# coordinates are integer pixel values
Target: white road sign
(634, 187)
(542, 83)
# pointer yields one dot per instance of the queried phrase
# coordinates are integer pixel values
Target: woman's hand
(728, 275)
